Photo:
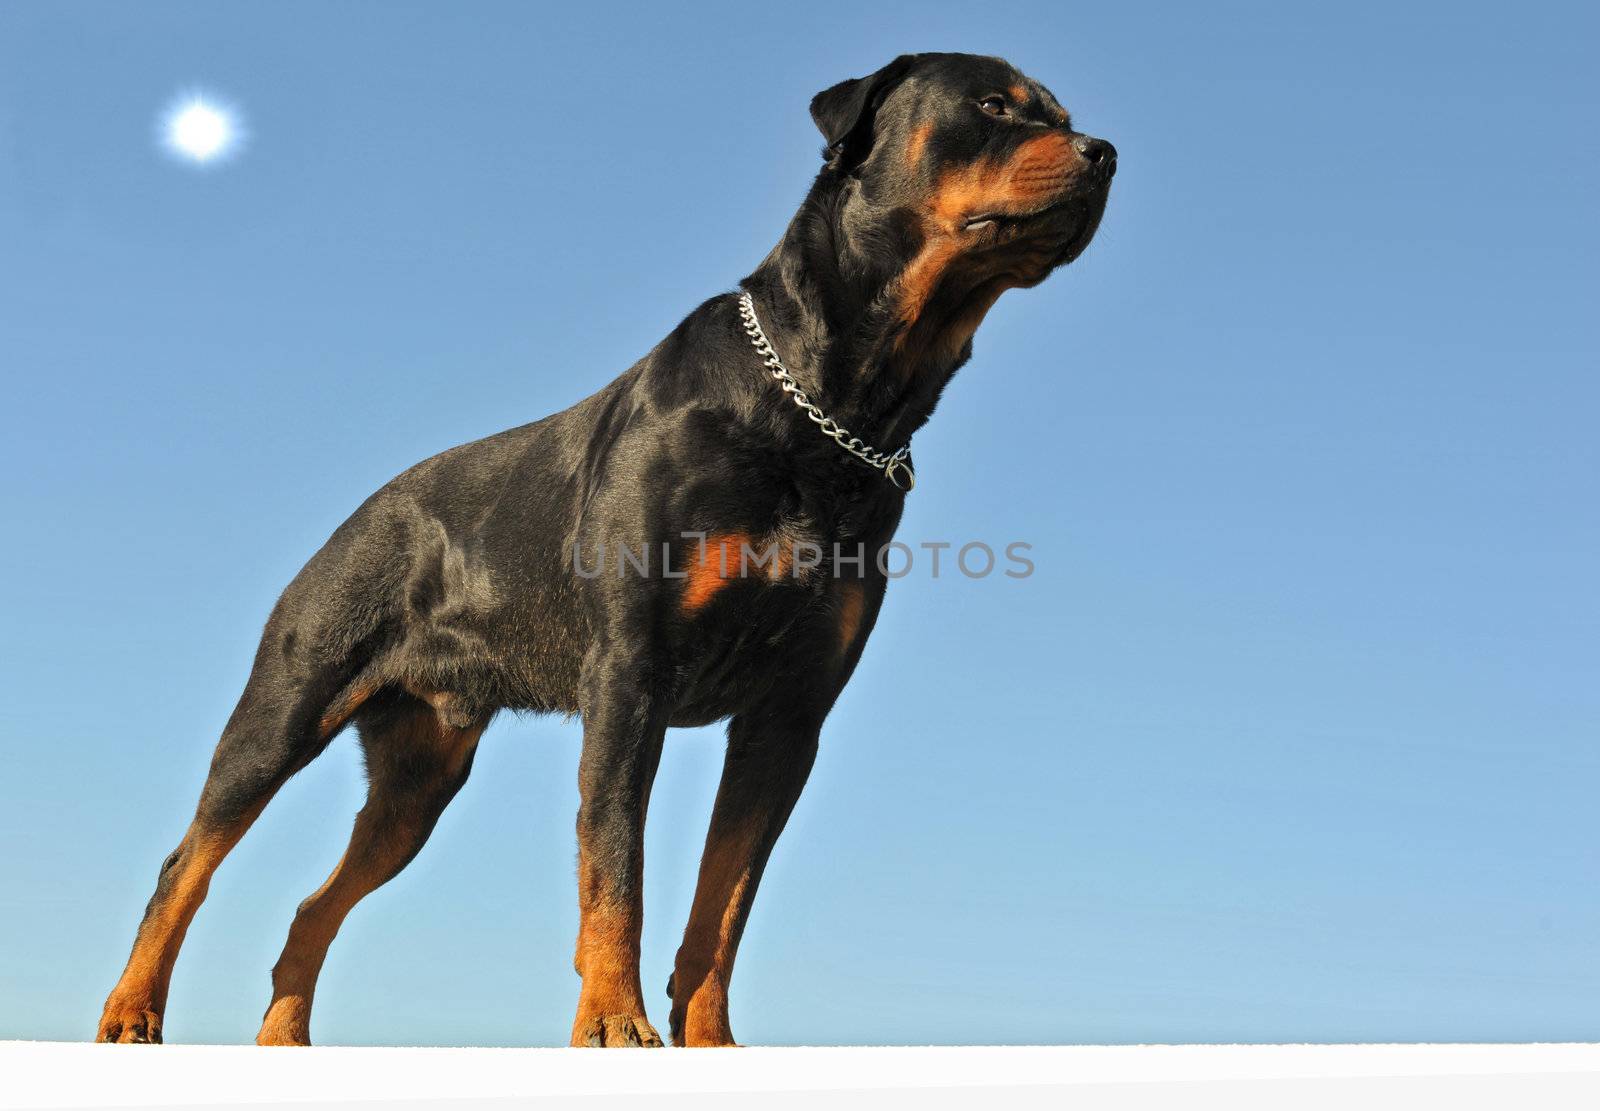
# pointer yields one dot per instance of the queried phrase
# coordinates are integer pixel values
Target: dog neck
(832, 296)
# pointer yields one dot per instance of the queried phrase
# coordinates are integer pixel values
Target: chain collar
(892, 464)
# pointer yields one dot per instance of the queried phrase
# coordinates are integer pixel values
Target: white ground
(1301, 1078)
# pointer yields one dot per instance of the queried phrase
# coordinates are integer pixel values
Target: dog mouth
(1060, 230)
(1061, 226)
(984, 221)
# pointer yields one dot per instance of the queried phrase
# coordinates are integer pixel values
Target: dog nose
(1099, 154)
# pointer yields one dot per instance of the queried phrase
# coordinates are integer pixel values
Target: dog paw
(617, 1030)
(701, 1020)
(130, 1025)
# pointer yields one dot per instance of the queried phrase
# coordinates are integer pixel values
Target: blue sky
(1291, 736)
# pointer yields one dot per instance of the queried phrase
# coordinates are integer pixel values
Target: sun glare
(201, 130)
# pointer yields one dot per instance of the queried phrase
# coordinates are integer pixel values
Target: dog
(467, 585)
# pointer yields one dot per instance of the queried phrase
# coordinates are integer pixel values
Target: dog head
(956, 177)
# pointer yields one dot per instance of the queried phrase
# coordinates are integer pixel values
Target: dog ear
(844, 113)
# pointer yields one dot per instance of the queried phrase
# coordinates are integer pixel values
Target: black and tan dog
(469, 584)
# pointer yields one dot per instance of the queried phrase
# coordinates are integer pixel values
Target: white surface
(55, 1074)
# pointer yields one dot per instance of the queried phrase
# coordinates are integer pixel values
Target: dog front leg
(768, 760)
(623, 729)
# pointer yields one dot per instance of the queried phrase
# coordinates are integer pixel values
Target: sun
(201, 130)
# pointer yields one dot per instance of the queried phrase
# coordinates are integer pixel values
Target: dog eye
(994, 105)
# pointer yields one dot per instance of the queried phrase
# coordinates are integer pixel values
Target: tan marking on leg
(338, 714)
(134, 1010)
(389, 830)
(704, 965)
(611, 1007)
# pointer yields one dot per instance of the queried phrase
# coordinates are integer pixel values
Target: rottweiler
(692, 543)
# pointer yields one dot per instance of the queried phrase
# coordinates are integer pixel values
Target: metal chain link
(892, 464)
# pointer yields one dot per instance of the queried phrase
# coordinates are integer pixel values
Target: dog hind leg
(269, 737)
(416, 763)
